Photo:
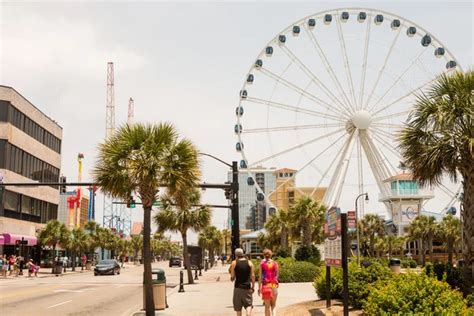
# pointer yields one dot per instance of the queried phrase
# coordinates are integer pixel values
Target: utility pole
(108, 216)
(235, 208)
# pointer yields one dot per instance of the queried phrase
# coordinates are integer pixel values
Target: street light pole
(357, 225)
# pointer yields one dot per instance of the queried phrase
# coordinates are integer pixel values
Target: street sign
(332, 243)
(351, 222)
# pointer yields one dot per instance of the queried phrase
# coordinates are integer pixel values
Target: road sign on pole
(351, 222)
(332, 243)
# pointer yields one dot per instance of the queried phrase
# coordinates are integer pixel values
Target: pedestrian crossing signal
(131, 202)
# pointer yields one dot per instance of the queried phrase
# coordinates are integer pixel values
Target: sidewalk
(212, 296)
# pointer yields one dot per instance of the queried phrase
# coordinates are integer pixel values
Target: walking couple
(243, 273)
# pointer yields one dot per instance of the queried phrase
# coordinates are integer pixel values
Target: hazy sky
(182, 62)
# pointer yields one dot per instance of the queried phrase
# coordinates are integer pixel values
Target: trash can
(159, 289)
(58, 267)
(395, 265)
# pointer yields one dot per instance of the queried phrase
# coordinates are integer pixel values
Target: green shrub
(409, 263)
(282, 253)
(359, 280)
(308, 253)
(409, 294)
(452, 275)
(291, 270)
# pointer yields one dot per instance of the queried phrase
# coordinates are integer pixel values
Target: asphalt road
(79, 294)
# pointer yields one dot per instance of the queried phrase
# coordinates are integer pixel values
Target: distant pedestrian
(11, 264)
(83, 260)
(242, 272)
(3, 265)
(268, 282)
(223, 260)
(30, 265)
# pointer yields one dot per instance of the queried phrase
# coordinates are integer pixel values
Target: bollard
(181, 282)
(200, 272)
(205, 266)
(196, 274)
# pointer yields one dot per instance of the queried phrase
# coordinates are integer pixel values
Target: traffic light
(62, 179)
(131, 202)
(228, 192)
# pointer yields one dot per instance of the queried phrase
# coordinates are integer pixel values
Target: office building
(30, 151)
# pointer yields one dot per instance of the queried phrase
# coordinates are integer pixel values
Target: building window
(10, 201)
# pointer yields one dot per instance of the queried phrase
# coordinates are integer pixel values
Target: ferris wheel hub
(361, 119)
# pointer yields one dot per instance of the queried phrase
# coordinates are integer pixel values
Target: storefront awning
(2, 240)
(11, 239)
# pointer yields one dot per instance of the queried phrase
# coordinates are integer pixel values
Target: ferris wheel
(327, 96)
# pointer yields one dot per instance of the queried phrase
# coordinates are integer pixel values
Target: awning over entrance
(2, 240)
(11, 239)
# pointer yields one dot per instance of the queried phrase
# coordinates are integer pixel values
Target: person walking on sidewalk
(242, 272)
(268, 282)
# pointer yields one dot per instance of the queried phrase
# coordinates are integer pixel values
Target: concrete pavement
(212, 296)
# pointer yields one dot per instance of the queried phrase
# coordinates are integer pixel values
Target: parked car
(109, 266)
(175, 261)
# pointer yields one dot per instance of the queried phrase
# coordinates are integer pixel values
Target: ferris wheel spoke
(302, 92)
(289, 128)
(342, 43)
(396, 81)
(315, 79)
(410, 93)
(384, 132)
(381, 124)
(296, 147)
(389, 116)
(390, 148)
(452, 201)
(381, 71)
(306, 165)
(328, 67)
(364, 63)
(292, 108)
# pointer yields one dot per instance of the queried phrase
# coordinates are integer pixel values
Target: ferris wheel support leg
(331, 198)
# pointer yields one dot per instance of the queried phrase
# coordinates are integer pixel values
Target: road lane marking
(59, 304)
(68, 291)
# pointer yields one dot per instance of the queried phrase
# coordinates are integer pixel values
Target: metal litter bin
(58, 267)
(159, 289)
(395, 265)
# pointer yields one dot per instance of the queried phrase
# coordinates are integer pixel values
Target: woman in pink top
(268, 282)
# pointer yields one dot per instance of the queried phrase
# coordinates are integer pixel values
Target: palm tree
(424, 228)
(307, 218)
(136, 243)
(371, 226)
(450, 232)
(53, 234)
(179, 214)
(141, 159)
(278, 226)
(210, 238)
(438, 141)
(77, 244)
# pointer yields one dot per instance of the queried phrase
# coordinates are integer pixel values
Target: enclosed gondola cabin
(258, 63)
(239, 146)
(439, 52)
(378, 19)
(327, 19)
(451, 64)
(426, 40)
(243, 94)
(281, 40)
(361, 17)
(239, 111)
(238, 128)
(260, 196)
(250, 78)
(395, 24)
(243, 164)
(269, 51)
(311, 23)
(250, 181)
(296, 30)
(411, 31)
(344, 16)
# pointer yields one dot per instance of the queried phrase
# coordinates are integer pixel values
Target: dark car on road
(109, 266)
(175, 261)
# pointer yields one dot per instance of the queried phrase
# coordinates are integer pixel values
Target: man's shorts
(242, 298)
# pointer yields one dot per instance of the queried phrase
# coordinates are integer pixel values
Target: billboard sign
(332, 243)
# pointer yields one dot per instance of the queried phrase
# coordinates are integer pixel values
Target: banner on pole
(332, 243)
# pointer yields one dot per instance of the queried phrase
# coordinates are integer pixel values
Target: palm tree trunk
(284, 239)
(422, 252)
(187, 262)
(467, 216)
(53, 257)
(73, 261)
(430, 248)
(307, 234)
(147, 278)
(450, 251)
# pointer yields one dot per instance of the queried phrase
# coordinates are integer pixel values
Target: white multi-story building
(30, 151)
(252, 213)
